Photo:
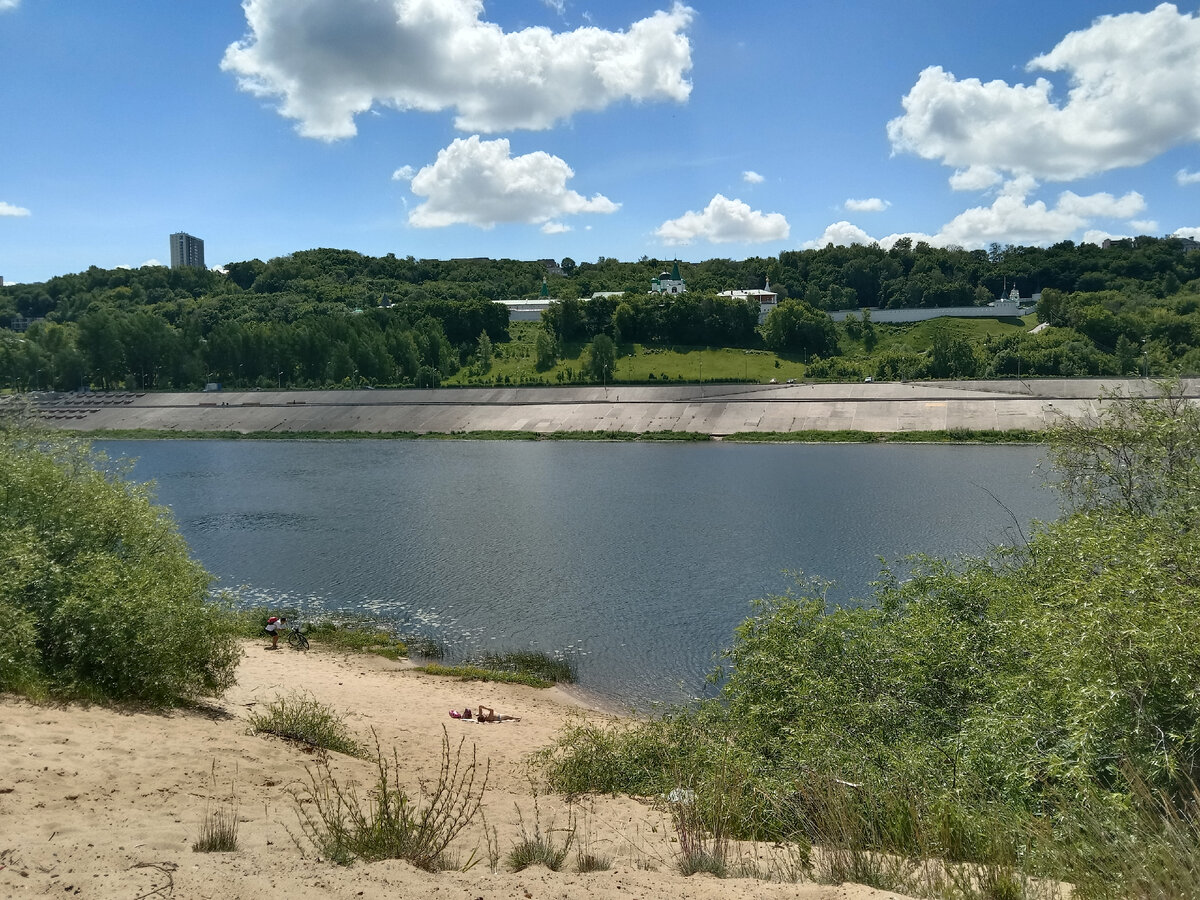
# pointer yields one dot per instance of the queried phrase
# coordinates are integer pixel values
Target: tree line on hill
(325, 317)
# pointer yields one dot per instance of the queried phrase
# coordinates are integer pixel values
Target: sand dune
(106, 804)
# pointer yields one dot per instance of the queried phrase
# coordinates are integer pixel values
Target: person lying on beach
(486, 714)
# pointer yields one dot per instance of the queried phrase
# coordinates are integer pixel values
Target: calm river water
(637, 559)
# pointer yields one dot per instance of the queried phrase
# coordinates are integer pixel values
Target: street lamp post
(281, 379)
(701, 373)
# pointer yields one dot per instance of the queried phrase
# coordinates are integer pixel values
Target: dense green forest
(328, 318)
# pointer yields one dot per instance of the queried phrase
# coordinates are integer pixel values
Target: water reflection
(638, 558)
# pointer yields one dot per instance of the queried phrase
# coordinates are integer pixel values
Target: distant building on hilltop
(186, 251)
(668, 282)
(766, 299)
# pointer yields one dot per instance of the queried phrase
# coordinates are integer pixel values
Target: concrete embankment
(712, 409)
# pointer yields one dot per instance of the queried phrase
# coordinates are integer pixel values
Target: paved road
(713, 409)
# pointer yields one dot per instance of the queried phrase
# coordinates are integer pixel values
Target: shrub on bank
(98, 595)
(1006, 712)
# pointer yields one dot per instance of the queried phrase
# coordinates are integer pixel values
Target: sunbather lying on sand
(485, 714)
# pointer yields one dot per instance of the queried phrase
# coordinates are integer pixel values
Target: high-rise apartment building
(186, 251)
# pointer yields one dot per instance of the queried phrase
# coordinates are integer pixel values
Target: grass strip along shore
(942, 436)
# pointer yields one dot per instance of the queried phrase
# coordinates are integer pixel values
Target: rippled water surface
(638, 559)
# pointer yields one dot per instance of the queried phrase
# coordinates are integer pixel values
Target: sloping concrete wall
(710, 409)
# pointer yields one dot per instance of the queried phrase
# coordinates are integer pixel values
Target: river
(635, 559)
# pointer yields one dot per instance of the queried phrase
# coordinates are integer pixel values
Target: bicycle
(296, 639)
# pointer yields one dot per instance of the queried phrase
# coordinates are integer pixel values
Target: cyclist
(275, 624)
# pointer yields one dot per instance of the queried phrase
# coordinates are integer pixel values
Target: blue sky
(551, 128)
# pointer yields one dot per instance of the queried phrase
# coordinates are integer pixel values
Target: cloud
(975, 178)
(1193, 232)
(9, 4)
(7, 209)
(1102, 205)
(1134, 93)
(555, 228)
(404, 173)
(329, 60)
(477, 182)
(1099, 236)
(841, 234)
(1011, 219)
(752, 177)
(559, 6)
(873, 204)
(725, 221)
(1183, 176)
(1144, 226)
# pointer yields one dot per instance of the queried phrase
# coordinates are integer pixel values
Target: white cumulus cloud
(1098, 236)
(1183, 176)
(326, 61)
(975, 178)
(404, 173)
(841, 234)
(7, 209)
(477, 182)
(1102, 205)
(1144, 226)
(752, 177)
(872, 204)
(555, 228)
(1193, 232)
(9, 4)
(724, 221)
(1011, 219)
(1134, 93)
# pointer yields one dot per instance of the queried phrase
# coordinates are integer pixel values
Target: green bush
(301, 718)
(99, 595)
(1002, 713)
(392, 824)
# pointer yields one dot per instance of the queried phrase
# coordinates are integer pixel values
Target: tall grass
(219, 827)
(1154, 854)
(302, 718)
(535, 663)
(218, 830)
(390, 824)
(540, 847)
(532, 668)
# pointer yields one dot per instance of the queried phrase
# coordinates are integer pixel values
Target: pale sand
(97, 803)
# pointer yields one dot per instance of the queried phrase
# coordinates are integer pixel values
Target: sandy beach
(106, 804)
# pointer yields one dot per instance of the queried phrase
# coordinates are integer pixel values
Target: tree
(99, 594)
(1135, 455)
(795, 326)
(545, 350)
(568, 266)
(483, 353)
(602, 360)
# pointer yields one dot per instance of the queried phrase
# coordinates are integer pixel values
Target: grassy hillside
(513, 362)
